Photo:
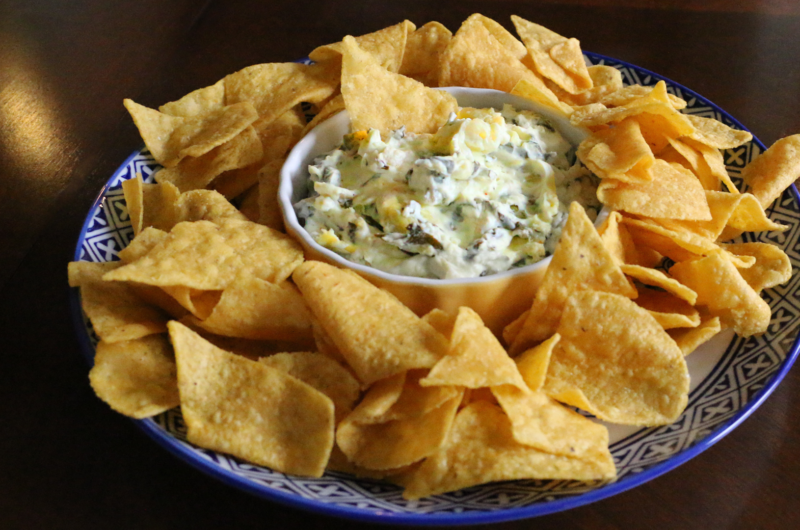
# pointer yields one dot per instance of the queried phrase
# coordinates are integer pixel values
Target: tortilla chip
(387, 46)
(474, 58)
(331, 108)
(534, 92)
(379, 342)
(480, 448)
(269, 211)
(241, 407)
(721, 288)
(378, 99)
(137, 377)
(399, 442)
(475, 358)
(275, 88)
(115, 311)
(580, 261)
(670, 311)
(532, 364)
(615, 361)
(441, 321)
(716, 134)
(132, 190)
(540, 422)
(198, 103)
(615, 152)
(265, 253)
(197, 173)
(772, 266)
(423, 49)
(555, 57)
(322, 373)
(656, 278)
(252, 308)
(193, 255)
(672, 193)
(688, 340)
(774, 170)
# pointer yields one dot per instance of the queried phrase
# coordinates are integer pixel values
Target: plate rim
(187, 456)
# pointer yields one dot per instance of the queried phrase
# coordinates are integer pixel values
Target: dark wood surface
(68, 461)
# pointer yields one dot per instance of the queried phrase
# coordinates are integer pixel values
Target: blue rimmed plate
(731, 377)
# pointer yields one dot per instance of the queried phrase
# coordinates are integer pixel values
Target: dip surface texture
(488, 192)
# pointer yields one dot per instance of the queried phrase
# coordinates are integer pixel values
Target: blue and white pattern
(747, 372)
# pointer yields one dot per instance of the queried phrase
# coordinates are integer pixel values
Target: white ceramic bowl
(497, 298)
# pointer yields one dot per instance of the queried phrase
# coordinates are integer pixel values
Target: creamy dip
(488, 192)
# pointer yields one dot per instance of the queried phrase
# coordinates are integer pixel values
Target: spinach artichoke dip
(488, 192)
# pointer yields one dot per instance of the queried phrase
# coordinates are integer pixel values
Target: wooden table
(67, 461)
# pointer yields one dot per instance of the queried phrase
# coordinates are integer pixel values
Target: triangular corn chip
(615, 361)
(377, 334)
(241, 407)
(580, 261)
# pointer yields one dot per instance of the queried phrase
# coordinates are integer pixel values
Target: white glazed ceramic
(497, 298)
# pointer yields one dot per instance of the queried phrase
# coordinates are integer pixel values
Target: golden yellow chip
(201, 101)
(379, 398)
(624, 95)
(474, 58)
(721, 288)
(580, 261)
(615, 361)
(115, 310)
(159, 206)
(265, 253)
(716, 134)
(620, 245)
(481, 449)
(197, 173)
(172, 138)
(281, 134)
(678, 244)
(399, 442)
(441, 321)
(198, 303)
(605, 80)
(378, 99)
(137, 377)
(205, 205)
(475, 358)
(252, 308)
(688, 340)
(538, 421)
(511, 331)
(715, 162)
(383, 341)
(503, 36)
(772, 266)
(141, 244)
(321, 372)
(324, 343)
(672, 193)
(423, 48)
(774, 170)
(654, 102)
(555, 57)
(269, 211)
(532, 364)
(618, 151)
(387, 46)
(669, 310)
(134, 199)
(276, 88)
(241, 407)
(193, 255)
(656, 278)
(540, 94)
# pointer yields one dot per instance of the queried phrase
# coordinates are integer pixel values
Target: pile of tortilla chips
(302, 367)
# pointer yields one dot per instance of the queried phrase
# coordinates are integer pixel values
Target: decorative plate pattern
(739, 375)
